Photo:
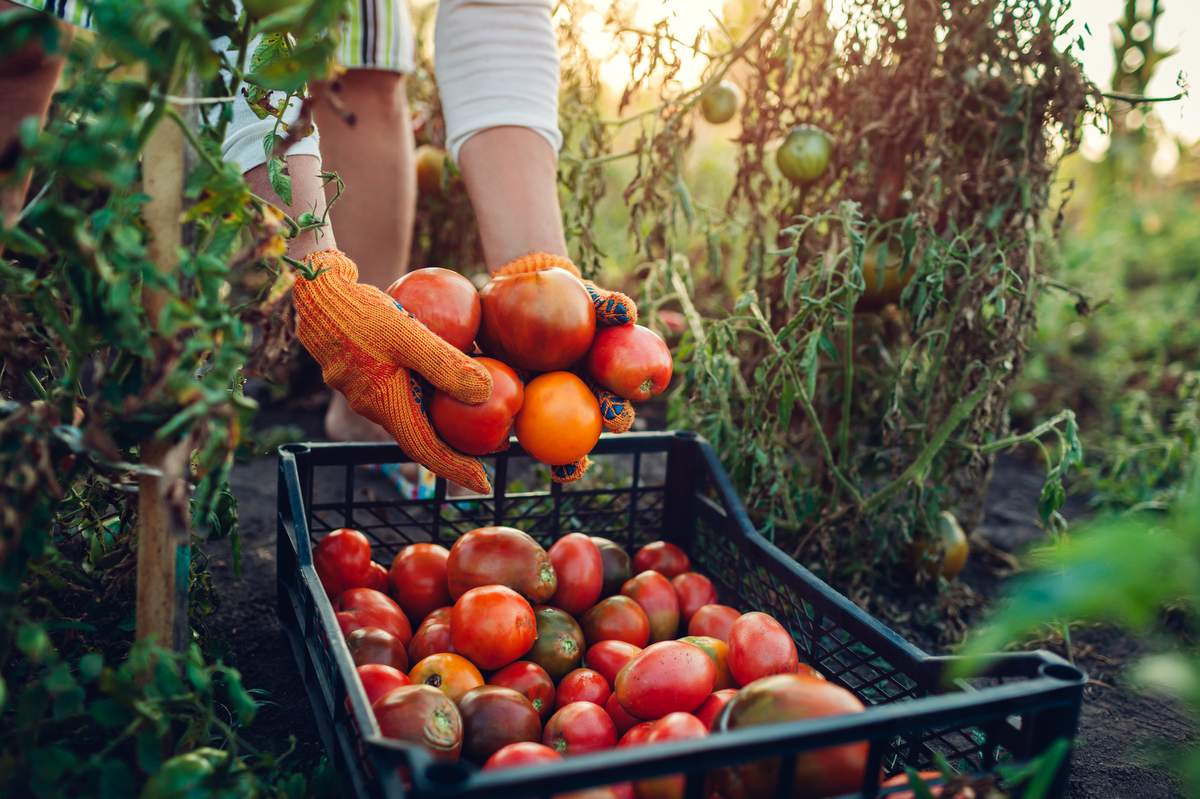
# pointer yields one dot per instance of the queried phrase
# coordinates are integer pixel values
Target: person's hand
(367, 348)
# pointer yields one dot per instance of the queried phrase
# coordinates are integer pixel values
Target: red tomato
(708, 711)
(494, 717)
(437, 616)
(671, 727)
(371, 608)
(759, 646)
(718, 650)
(373, 645)
(451, 674)
(901, 780)
(492, 626)
(616, 565)
(637, 734)
(715, 621)
(525, 753)
(560, 420)
(664, 678)
(537, 321)
(377, 578)
(583, 685)
(343, 560)
(442, 300)
(484, 428)
(421, 715)
(694, 591)
(532, 681)
(621, 718)
(656, 596)
(617, 618)
(662, 557)
(578, 728)
(430, 639)
(621, 790)
(609, 657)
(500, 556)
(378, 679)
(631, 361)
(580, 571)
(418, 579)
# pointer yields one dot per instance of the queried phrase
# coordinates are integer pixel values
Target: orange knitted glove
(366, 346)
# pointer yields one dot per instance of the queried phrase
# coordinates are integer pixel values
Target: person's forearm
(307, 195)
(512, 178)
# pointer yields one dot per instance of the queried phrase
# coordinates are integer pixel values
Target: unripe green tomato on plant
(805, 154)
(719, 104)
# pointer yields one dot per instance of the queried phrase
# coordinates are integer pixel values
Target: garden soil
(1115, 755)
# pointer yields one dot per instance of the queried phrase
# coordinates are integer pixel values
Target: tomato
(431, 165)
(525, 753)
(560, 420)
(559, 645)
(789, 697)
(631, 361)
(377, 679)
(694, 591)
(618, 618)
(492, 626)
(493, 717)
(418, 579)
(371, 608)
(580, 572)
(714, 621)
(616, 565)
(583, 685)
(430, 639)
(373, 645)
(451, 674)
(637, 734)
(718, 650)
(656, 596)
(437, 616)
(947, 553)
(538, 321)
(532, 681)
(578, 728)
(377, 577)
(442, 300)
(609, 657)
(662, 557)
(500, 556)
(484, 428)
(671, 727)
(664, 678)
(720, 103)
(621, 790)
(901, 781)
(884, 280)
(343, 560)
(804, 155)
(422, 715)
(760, 646)
(621, 718)
(707, 712)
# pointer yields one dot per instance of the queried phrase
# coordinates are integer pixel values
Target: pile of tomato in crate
(521, 656)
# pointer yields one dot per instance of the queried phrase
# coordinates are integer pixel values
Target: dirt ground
(1114, 755)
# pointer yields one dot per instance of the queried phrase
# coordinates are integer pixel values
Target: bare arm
(307, 195)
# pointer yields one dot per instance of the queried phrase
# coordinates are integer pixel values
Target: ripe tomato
(580, 572)
(616, 565)
(804, 155)
(620, 790)
(617, 618)
(901, 781)
(662, 557)
(583, 685)
(664, 678)
(343, 560)
(621, 718)
(759, 646)
(884, 281)
(707, 712)
(532, 681)
(377, 679)
(637, 734)
(418, 579)
(656, 596)
(714, 621)
(718, 650)
(833, 771)
(560, 420)
(525, 753)
(671, 727)
(720, 103)
(480, 429)
(437, 616)
(451, 674)
(538, 321)
(492, 626)
(421, 715)
(442, 300)
(377, 577)
(694, 591)
(500, 556)
(946, 554)
(430, 639)
(631, 361)
(431, 164)
(609, 657)
(494, 717)
(578, 728)
(559, 645)
(370, 608)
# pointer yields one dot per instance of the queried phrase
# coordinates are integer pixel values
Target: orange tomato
(560, 420)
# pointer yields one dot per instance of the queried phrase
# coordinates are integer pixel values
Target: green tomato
(804, 155)
(720, 103)
(257, 9)
(181, 777)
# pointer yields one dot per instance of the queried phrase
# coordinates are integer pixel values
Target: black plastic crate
(643, 487)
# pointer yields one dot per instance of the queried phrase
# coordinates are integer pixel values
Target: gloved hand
(612, 309)
(366, 346)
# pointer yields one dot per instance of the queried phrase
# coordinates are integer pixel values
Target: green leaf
(116, 780)
(281, 182)
(109, 713)
(33, 642)
(50, 763)
(149, 748)
(787, 402)
(3, 693)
